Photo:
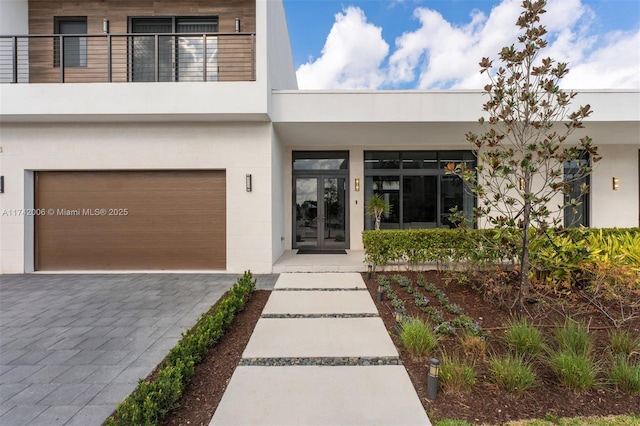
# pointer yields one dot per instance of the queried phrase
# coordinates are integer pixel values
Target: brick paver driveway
(73, 346)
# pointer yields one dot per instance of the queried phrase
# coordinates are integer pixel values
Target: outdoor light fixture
(1, 184)
(616, 183)
(432, 379)
(369, 271)
(357, 184)
(105, 26)
(398, 322)
(521, 184)
(248, 183)
(237, 25)
(380, 291)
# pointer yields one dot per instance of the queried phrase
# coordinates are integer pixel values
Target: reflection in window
(572, 171)
(74, 49)
(414, 184)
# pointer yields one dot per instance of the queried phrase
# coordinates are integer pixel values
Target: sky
(437, 44)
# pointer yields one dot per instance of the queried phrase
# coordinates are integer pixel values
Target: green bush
(512, 373)
(524, 338)
(418, 336)
(625, 376)
(152, 400)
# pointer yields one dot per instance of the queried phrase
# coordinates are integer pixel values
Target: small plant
(378, 208)
(575, 370)
(512, 373)
(456, 374)
(524, 338)
(623, 342)
(417, 337)
(625, 376)
(473, 346)
(574, 337)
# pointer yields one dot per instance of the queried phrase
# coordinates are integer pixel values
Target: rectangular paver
(320, 302)
(312, 395)
(320, 280)
(319, 337)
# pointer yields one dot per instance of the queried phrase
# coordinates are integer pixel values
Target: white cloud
(351, 57)
(439, 54)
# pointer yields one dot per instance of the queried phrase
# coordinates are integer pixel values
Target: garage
(130, 220)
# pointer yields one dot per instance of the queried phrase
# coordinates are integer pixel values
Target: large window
(414, 184)
(574, 178)
(180, 57)
(74, 49)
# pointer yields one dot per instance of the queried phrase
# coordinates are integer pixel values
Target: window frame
(82, 53)
(402, 172)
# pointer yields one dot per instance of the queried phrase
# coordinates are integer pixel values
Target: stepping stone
(319, 337)
(312, 395)
(327, 280)
(319, 302)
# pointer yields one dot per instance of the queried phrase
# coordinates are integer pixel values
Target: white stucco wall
(616, 208)
(14, 17)
(278, 198)
(281, 74)
(238, 148)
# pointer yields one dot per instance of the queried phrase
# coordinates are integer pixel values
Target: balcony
(122, 58)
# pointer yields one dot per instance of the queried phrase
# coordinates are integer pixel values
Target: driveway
(73, 346)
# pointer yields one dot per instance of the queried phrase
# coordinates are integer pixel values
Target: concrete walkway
(320, 355)
(73, 346)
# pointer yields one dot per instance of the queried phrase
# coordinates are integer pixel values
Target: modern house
(170, 135)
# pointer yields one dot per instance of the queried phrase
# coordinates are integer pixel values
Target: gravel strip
(321, 289)
(319, 316)
(323, 361)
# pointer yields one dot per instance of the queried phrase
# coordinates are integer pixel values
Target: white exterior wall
(281, 73)
(619, 208)
(279, 198)
(238, 148)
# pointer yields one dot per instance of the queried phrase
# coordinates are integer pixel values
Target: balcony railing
(90, 58)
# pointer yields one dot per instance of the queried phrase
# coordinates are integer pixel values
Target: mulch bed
(484, 404)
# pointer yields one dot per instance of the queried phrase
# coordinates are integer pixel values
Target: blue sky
(436, 44)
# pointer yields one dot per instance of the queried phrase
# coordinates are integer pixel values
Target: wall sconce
(616, 183)
(105, 26)
(357, 184)
(521, 184)
(1, 184)
(248, 183)
(237, 25)
(432, 379)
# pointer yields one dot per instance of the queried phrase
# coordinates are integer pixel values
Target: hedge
(416, 246)
(152, 400)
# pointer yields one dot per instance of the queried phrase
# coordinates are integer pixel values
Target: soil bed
(484, 404)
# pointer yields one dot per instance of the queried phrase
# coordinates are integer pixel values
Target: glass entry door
(320, 216)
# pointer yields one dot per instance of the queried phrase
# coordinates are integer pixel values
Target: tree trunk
(523, 291)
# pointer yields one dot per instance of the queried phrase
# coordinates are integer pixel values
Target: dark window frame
(442, 157)
(82, 53)
(584, 218)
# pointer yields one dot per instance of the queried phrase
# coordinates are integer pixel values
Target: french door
(320, 212)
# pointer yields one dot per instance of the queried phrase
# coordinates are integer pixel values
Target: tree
(525, 144)
(377, 208)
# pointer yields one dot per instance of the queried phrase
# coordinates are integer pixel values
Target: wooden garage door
(130, 220)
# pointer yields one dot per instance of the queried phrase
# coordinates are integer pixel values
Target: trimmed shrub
(152, 400)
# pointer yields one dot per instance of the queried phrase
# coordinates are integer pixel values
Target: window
(181, 57)
(414, 184)
(574, 177)
(74, 49)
